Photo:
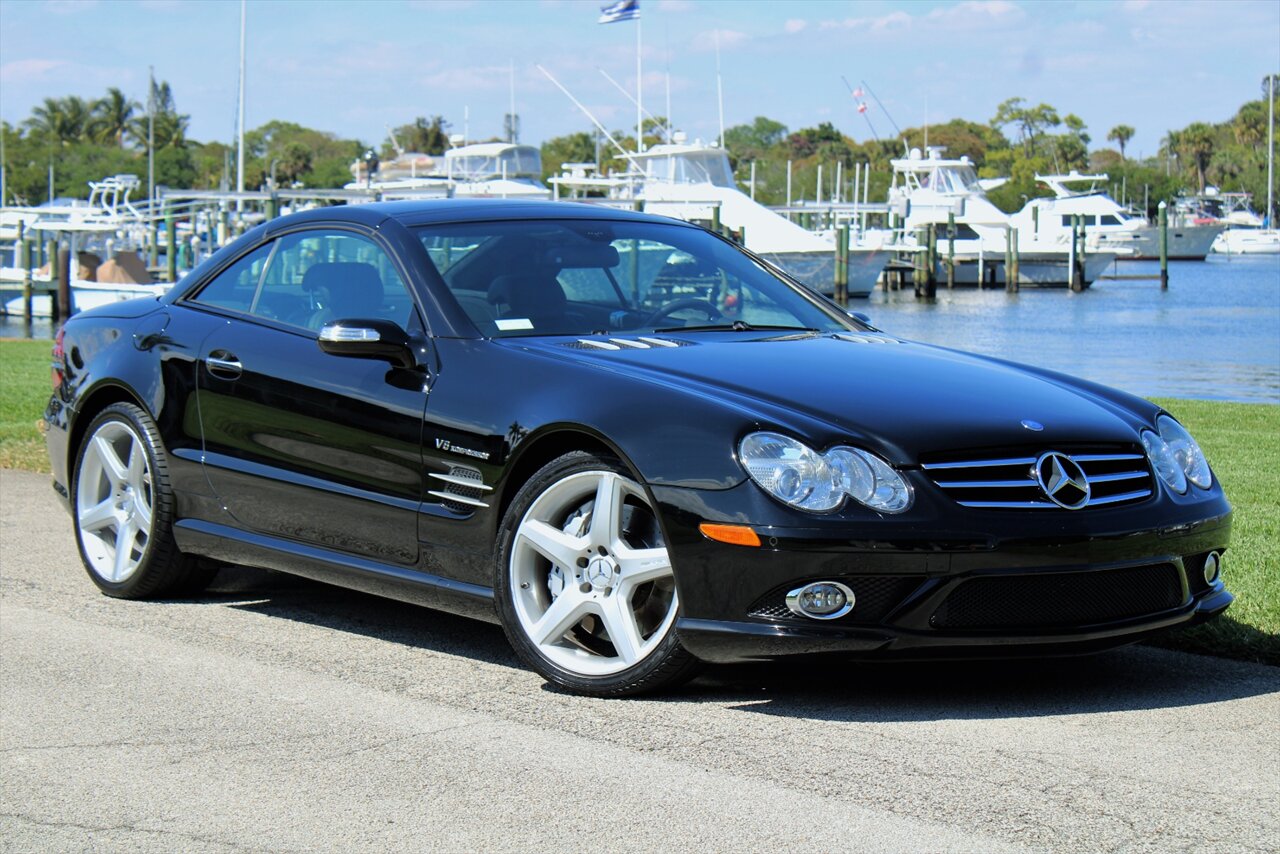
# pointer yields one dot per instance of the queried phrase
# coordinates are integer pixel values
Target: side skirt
(233, 545)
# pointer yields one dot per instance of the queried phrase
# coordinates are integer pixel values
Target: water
(1214, 334)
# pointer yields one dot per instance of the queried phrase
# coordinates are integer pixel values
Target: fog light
(1212, 567)
(821, 600)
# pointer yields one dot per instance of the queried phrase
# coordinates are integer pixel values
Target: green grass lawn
(1240, 440)
(24, 391)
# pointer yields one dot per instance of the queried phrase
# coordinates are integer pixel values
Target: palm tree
(111, 117)
(62, 120)
(1196, 143)
(1121, 134)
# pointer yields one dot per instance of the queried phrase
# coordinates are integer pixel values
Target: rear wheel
(123, 510)
(584, 582)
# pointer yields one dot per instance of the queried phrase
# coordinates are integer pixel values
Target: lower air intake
(1060, 599)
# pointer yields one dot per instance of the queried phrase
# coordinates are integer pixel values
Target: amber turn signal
(737, 535)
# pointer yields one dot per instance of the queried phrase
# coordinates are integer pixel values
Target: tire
(122, 507)
(589, 601)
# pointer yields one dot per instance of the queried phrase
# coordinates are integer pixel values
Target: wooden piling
(1014, 280)
(1008, 257)
(171, 246)
(931, 263)
(1076, 273)
(64, 283)
(715, 220)
(842, 265)
(1164, 247)
(24, 259)
(951, 250)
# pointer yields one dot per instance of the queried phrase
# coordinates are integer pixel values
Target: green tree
(60, 120)
(1030, 122)
(1120, 135)
(1195, 145)
(111, 116)
(572, 148)
(753, 140)
(427, 136)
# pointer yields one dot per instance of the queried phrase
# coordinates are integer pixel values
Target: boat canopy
(680, 165)
(488, 160)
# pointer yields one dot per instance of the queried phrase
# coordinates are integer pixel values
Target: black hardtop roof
(426, 212)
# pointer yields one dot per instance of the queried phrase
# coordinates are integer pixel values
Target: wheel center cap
(600, 572)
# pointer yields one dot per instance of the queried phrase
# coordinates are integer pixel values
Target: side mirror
(368, 339)
(860, 316)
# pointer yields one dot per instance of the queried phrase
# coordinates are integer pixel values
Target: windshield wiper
(736, 326)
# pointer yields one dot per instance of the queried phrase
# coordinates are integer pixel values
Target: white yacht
(480, 170)
(694, 182)
(1245, 232)
(1108, 226)
(928, 189)
(495, 170)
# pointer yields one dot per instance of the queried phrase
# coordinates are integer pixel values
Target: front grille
(1060, 599)
(1007, 481)
(874, 596)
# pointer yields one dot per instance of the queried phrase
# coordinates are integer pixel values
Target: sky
(355, 68)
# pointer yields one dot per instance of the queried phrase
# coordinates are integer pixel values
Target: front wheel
(584, 582)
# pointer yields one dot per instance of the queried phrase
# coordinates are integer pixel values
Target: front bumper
(968, 585)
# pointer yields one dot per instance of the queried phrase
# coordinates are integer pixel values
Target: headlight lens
(1185, 450)
(1163, 461)
(795, 474)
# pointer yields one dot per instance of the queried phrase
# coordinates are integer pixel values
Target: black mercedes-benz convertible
(630, 442)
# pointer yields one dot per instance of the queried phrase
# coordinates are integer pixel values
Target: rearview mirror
(368, 339)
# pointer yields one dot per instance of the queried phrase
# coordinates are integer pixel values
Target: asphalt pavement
(274, 713)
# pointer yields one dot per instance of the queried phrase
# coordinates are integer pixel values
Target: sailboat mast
(1271, 149)
(719, 89)
(240, 117)
(639, 93)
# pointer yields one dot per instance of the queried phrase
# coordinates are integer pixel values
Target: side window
(236, 286)
(319, 276)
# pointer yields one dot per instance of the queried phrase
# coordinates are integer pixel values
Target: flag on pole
(857, 93)
(862, 107)
(623, 10)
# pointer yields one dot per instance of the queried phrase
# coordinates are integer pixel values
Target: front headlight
(795, 474)
(1175, 456)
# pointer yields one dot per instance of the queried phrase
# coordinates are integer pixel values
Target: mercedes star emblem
(1063, 481)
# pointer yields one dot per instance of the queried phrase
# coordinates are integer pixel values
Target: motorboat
(480, 170)
(693, 181)
(1246, 233)
(1108, 226)
(929, 189)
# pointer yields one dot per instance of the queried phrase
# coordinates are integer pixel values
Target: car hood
(906, 398)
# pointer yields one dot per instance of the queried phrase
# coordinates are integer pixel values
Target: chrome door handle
(225, 366)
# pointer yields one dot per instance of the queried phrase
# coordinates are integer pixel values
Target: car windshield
(582, 277)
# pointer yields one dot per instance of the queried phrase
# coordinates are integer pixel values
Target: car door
(303, 445)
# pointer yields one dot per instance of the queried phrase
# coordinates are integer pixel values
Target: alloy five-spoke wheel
(123, 509)
(585, 582)
(114, 501)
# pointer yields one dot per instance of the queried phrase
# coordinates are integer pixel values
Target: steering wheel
(679, 305)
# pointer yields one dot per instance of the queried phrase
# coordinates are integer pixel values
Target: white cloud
(728, 39)
(977, 13)
(24, 70)
(891, 21)
(795, 25)
(471, 78)
(69, 7)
